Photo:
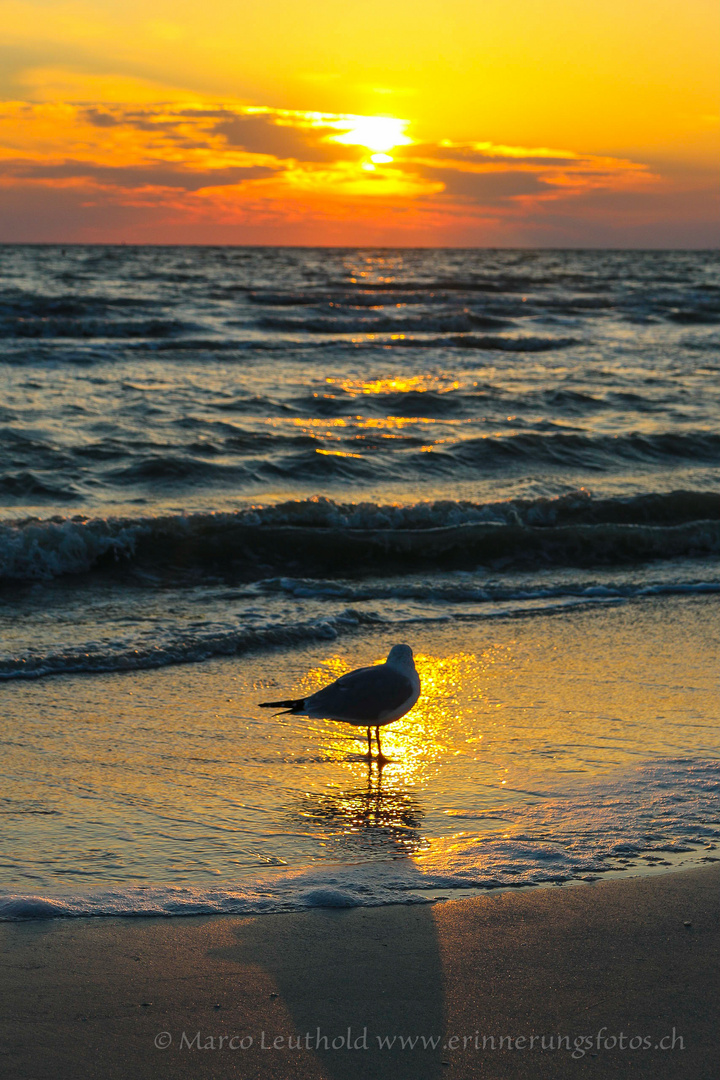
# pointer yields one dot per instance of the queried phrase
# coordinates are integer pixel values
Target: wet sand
(634, 957)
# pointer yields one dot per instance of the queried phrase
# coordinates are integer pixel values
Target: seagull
(369, 697)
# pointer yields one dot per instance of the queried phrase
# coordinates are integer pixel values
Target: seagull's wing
(362, 696)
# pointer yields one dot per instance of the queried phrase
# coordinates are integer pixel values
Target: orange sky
(537, 123)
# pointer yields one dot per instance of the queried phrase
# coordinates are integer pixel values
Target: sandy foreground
(603, 966)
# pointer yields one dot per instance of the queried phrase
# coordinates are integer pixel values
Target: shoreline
(87, 997)
(17, 906)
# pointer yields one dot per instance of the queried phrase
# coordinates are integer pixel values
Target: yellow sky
(598, 80)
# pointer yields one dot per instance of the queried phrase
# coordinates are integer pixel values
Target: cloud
(486, 187)
(487, 153)
(101, 118)
(262, 134)
(203, 168)
(160, 175)
(520, 171)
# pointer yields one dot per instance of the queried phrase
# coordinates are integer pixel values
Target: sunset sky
(565, 123)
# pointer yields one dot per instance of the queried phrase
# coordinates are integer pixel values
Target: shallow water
(543, 749)
(281, 462)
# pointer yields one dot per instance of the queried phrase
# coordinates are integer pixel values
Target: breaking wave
(314, 535)
(180, 647)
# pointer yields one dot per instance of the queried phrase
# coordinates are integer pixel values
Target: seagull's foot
(381, 759)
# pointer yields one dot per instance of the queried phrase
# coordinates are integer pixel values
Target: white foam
(641, 818)
(44, 549)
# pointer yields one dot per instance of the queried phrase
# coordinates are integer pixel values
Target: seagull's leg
(369, 753)
(381, 756)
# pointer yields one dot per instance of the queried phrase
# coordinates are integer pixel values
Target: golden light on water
(508, 714)
(380, 809)
(337, 453)
(364, 431)
(417, 744)
(396, 385)
(373, 816)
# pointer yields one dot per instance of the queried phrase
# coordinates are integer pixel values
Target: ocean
(230, 471)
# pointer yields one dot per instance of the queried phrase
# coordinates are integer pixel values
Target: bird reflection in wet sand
(377, 819)
(368, 697)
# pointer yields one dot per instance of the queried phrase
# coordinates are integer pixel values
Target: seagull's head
(401, 656)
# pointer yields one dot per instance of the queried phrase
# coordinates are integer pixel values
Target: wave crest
(313, 534)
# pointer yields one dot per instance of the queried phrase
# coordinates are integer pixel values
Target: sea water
(231, 471)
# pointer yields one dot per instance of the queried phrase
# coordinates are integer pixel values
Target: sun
(377, 133)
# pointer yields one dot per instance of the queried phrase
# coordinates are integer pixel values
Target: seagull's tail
(292, 705)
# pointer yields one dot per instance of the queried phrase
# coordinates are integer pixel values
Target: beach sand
(86, 998)
(128, 781)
